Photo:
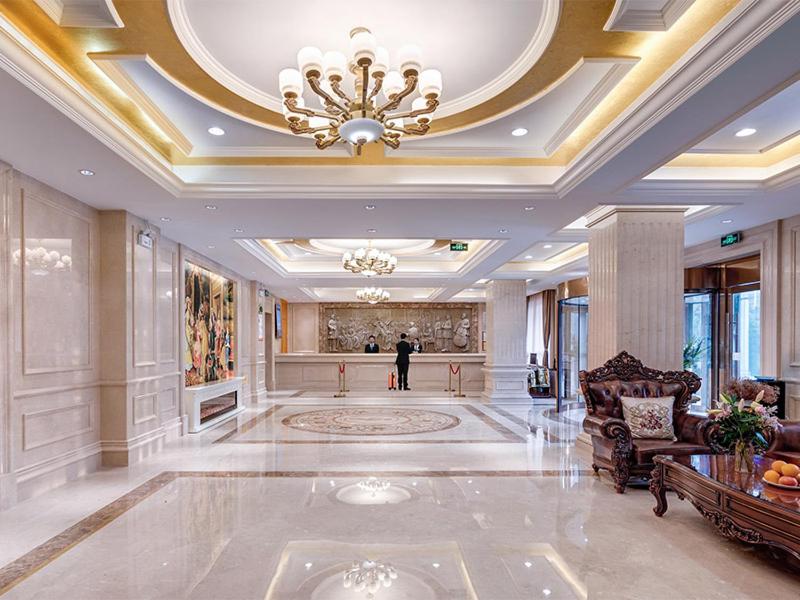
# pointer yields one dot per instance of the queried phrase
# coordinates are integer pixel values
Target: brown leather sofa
(785, 443)
(613, 446)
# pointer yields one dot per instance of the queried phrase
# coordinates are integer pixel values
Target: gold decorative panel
(441, 327)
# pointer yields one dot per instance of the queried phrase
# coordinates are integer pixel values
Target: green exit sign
(459, 246)
(730, 239)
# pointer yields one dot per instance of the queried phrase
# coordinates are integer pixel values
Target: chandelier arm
(298, 129)
(411, 84)
(433, 104)
(376, 88)
(392, 143)
(291, 103)
(337, 88)
(330, 101)
(327, 142)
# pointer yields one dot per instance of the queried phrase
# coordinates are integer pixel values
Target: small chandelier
(373, 296)
(360, 119)
(373, 485)
(369, 576)
(369, 261)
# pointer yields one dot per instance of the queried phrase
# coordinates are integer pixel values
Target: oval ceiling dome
(480, 47)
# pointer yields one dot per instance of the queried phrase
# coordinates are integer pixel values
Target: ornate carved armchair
(613, 446)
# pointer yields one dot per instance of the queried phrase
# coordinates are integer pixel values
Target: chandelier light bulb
(410, 59)
(381, 64)
(334, 65)
(430, 83)
(420, 104)
(362, 46)
(290, 82)
(309, 60)
(392, 84)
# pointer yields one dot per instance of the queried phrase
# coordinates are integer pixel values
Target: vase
(744, 453)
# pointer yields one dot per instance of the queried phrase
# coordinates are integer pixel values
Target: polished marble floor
(473, 504)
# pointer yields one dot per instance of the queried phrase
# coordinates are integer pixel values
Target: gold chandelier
(360, 119)
(372, 295)
(369, 261)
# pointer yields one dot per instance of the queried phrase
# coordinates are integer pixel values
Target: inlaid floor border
(509, 437)
(45, 553)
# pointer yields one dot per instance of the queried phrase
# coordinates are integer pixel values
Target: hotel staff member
(372, 347)
(402, 361)
(416, 347)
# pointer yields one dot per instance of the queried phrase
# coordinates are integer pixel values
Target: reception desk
(370, 372)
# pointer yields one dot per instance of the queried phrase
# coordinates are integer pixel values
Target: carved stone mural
(440, 327)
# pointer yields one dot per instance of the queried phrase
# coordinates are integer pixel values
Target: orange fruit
(777, 465)
(786, 480)
(790, 470)
(772, 476)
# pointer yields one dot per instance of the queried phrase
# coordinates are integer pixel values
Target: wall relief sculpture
(440, 327)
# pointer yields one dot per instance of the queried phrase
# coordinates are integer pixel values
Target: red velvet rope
(341, 368)
(457, 369)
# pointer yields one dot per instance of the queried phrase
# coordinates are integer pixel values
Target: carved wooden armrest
(611, 428)
(694, 429)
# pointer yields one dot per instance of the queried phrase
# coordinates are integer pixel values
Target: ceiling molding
(751, 22)
(627, 17)
(82, 13)
(524, 63)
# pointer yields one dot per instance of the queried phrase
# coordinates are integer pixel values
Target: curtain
(548, 313)
(534, 332)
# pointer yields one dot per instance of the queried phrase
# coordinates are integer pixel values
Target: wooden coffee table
(739, 505)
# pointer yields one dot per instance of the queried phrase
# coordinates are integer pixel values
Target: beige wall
(91, 367)
(778, 244)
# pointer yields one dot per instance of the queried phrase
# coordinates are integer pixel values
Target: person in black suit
(402, 361)
(372, 347)
(416, 347)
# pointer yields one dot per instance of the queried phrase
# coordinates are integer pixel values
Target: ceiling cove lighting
(216, 131)
(519, 132)
(372, 295)
(359, 117)
(746, 132)
(369, 261)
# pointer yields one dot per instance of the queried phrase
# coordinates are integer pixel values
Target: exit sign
(459, 246)
(730, 239)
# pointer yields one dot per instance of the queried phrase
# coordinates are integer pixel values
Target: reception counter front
(370, 372)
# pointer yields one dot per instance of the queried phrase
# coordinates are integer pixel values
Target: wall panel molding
(143, 355)
(82, 423)
(144, 408)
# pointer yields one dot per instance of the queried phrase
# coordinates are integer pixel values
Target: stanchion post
(449, 387)
(342, 367)
(459, 394)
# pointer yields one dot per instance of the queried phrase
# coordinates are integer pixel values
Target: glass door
(745, 334)
(573, 335)
(700, 342)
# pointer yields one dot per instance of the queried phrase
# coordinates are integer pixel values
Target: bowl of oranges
(783, 475)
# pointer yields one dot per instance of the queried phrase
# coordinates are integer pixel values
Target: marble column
(636, 285)
(505, 371)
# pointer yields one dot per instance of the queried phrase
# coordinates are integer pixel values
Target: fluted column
(505, 372)
(636, 285)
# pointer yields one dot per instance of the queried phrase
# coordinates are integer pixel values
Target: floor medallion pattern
(371, 420)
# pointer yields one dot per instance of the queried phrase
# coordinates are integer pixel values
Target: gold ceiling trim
(773, 156)
(580, 34)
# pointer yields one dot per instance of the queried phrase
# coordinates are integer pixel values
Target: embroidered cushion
(649, 418)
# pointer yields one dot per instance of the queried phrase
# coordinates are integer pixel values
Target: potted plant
(742, 426)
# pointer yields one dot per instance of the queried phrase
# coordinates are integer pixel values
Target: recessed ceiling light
(237, 230)
(370, 207)
(519, 132)
(528, 257)
(371, 230)
(216, 131)
(727, 221)
(211, 246)
(503, 230)
(166, 219)
(308, 254)
(86, 172)
(437, 253)
(529, 207)
(747, 131)
(547, 246)
(211, 207)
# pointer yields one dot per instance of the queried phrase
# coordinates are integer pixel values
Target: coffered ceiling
(622, 102)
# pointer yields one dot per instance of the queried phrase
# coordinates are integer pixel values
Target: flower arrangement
(742, 427)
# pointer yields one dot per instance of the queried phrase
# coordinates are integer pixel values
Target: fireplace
(209, 404)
